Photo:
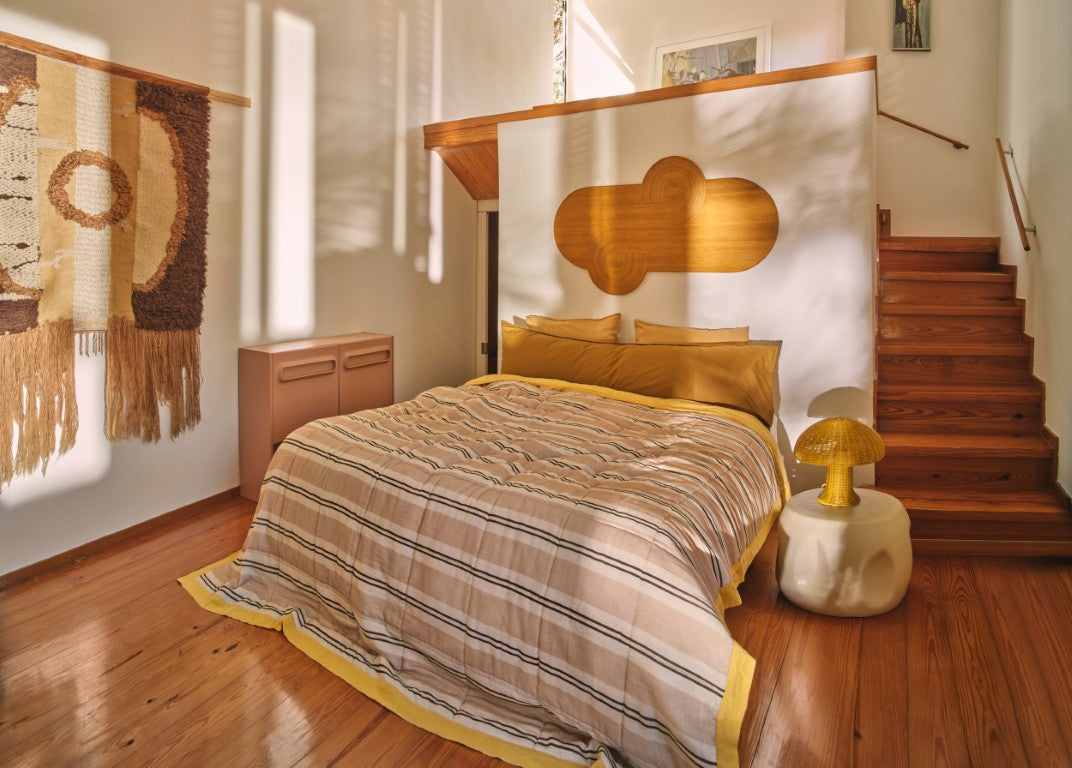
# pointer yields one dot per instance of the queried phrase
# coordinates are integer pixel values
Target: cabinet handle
(307, 370)
(367, 357)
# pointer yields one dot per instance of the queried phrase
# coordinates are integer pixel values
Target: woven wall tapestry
(103, 211)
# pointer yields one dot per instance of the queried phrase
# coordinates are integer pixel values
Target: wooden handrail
(1012, 197)
(956, 144)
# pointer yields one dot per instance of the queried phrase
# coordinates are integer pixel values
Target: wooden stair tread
(1012, 393)
(965, 445)
(948, 275)
(952, 310)
(1041, 502)
(941, 244)
(943, 348)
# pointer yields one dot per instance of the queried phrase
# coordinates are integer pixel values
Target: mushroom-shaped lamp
(839, 444)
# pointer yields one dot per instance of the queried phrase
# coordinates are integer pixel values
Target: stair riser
(896, 291)
(967, 329)
(951, 370)
(980, 418)
(1014, 529)
(966, 473)
(938, 261)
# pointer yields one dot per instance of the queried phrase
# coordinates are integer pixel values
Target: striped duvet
(533, 568)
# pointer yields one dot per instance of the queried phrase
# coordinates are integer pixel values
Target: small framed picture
(911, 25)
(712, 58)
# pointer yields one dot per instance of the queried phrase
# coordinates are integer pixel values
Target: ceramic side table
(844, 561)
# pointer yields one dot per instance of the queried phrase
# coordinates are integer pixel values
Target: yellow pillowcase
(734, 374)
(650, 333)
(601, 329)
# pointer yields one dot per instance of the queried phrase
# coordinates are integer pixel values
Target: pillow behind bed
(740, 375)
(599, 329)
(652, 333)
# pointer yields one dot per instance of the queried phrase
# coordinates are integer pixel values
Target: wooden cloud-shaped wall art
(673, 221)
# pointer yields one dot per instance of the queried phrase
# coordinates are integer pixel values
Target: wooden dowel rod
(1012, 197)
(43, 49)
(956, 144)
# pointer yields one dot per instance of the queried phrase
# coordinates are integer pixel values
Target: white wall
(386, 240)
(612, 42)
(1035, 118)
(931, 188)
(809, 144)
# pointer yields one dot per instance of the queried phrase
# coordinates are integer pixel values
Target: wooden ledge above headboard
(470, 147)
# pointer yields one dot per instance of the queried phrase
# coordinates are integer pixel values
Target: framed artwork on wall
(712, 58)
(911, 25)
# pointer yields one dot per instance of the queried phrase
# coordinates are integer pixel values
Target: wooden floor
(110, 663)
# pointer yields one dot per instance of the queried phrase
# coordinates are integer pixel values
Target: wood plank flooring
(110, 663)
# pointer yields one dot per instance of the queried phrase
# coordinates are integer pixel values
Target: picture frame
(911, 25)
(732, 54)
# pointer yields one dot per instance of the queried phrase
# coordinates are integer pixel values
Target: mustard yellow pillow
(599, 329)
(650, 333)
(735, 374)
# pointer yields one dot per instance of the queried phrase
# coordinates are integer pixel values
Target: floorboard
(881, 727)
(109, 662)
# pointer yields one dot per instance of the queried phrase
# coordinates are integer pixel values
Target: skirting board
(154, 525)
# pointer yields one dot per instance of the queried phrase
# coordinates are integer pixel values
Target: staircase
(957, 405)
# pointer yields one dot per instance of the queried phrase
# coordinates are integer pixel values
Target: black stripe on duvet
(505, 522)
(621, 638)
(634, 715)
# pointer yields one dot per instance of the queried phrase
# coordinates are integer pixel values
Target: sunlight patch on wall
(291, 183)
(250, 275)
(596, 68)
(435, 168)
(398, 237)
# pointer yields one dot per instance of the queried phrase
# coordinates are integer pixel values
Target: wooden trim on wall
(470, 147)
(105, 544)
(479, 129)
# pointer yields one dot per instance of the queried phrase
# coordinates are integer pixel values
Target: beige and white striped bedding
(538, 571)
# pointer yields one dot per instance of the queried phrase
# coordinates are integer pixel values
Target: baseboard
(99, 546)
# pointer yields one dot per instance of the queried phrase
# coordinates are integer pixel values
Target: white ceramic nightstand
(844, 561)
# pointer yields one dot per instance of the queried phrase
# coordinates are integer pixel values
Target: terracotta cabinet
(282, 386)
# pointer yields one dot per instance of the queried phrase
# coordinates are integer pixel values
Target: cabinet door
(367, 377)
(305, 387)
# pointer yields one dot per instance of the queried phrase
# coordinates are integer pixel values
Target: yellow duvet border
(742, 666)
(376, 689)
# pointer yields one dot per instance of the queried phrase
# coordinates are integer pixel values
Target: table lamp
(839, 444)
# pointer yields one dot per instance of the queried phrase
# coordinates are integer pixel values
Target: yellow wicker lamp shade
(839, 444)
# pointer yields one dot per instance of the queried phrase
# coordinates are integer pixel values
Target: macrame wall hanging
(103, 214)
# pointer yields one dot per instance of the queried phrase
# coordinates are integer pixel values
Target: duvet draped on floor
(533, 568)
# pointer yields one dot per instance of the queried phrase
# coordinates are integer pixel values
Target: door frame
(487, 292)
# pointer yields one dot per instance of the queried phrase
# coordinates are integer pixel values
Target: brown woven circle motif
(57, 189)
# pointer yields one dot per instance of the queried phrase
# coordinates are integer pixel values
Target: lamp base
(837, 491)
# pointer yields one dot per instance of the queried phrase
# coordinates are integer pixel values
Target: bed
(532, 566)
